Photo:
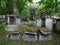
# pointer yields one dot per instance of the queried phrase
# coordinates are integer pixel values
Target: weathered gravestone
(58, 25)
(49, 23)
(14, 36)
(45, 36)
(29, 36)
(18, 21)
(39, 22)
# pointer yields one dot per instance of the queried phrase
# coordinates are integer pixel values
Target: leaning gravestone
(29, 37)
(49, 23)
(39, 22)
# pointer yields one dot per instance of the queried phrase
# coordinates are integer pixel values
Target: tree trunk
(43, 25)
(38, 33)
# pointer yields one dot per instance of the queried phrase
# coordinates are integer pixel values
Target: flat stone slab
(11, 27)
(45, 38)
(28, 36)
(14, 36)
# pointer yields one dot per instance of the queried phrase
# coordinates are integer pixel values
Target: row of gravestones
(48, 23)
(28, 36)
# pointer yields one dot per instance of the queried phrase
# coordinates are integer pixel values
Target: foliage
(26, 13)
(33, 9)
(6, 7)
(21, 4)
(9, 6)
(58, 10)
(2, 31)
(2, 7)
(49, 7)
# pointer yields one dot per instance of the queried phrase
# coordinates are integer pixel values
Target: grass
(2, 31)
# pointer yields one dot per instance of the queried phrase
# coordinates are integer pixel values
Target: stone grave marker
(49, 23)
(39, 22)
(46, 36)
(29, 36)
(58, 25)
(14, 36)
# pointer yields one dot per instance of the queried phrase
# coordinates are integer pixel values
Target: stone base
(29, 37)
(11, 28)
(14, 36)
(45, 38)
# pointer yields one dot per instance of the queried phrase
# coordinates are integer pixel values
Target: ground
(22, 28)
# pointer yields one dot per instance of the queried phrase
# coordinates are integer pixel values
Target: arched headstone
(39, 22)
(49, 23)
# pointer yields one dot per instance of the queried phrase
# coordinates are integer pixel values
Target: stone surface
(58, 25)
(49, 23)
(11, 27)
(27, 37)
(39, 22)
(45, 38)
(14, 36)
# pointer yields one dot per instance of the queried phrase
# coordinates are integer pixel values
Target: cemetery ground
(22, 28)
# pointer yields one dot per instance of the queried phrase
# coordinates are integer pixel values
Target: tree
(25, 13)
(49, 7)
(21, 4)
(33, 9)
(9, 6)
(57, 13)
(2, 7)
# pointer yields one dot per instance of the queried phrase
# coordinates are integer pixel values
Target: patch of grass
(2, 31)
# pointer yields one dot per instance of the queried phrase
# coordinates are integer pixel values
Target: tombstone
(4, 16)
(13, 19)
(18, 21)
(46, 36)
(58, 25)
(14, 36)
(1, 16)
(49, 23)
(39, 22)
(29, 37)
